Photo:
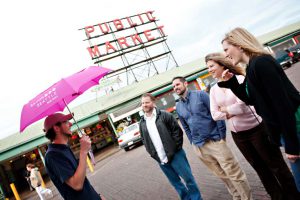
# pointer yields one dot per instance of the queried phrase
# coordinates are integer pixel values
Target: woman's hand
(292, 158)
(228, 116)
(223, 109)
(226, 75)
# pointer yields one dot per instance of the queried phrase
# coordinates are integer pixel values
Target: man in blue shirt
(67, 174)
(208, 138)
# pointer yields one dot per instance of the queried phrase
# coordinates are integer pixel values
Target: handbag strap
(254, 115)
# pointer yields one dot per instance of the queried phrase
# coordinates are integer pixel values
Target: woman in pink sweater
(247, 128)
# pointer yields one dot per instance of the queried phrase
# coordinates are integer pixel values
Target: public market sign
(131, 36)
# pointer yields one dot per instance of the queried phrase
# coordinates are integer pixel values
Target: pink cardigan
(243, 118)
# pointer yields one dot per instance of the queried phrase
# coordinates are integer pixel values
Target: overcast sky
(40, 42)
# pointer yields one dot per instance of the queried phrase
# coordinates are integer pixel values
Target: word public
(117, 25)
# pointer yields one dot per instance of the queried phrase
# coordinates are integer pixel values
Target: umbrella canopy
(56, 97)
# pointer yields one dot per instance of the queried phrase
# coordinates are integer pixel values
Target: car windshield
(129, 128)
(280, 54)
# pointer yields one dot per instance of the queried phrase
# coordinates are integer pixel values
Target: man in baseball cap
(67, 174)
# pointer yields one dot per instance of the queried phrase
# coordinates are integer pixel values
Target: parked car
(130, 136)
(283, 59)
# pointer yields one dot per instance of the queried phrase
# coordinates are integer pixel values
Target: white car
(130, 136)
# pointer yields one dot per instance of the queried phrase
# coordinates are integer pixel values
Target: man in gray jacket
(163, 138)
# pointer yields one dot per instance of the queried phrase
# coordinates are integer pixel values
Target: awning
(86, 122)
(41, 140)
(131, 112)
(23, 148)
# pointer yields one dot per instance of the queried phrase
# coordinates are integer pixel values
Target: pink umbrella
(56, 97)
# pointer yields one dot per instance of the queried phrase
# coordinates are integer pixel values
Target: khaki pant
(220, 160)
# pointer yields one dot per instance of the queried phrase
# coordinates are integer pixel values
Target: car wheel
(126, 148)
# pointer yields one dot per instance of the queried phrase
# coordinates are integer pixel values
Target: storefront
(283, 45)
(205, 82)
(125, 115)
(127, 121)
(14, 170)
(100, 132)
(297, 38)
(284, 42)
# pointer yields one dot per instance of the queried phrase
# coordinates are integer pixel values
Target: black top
(169, 131)
(61, 164)
(274, 97)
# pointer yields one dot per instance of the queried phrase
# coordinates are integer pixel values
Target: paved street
(134, 175)
(294, 74)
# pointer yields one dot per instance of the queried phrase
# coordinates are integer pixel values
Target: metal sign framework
(135, 44)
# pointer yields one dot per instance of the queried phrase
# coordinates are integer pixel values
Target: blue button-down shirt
(195, 117)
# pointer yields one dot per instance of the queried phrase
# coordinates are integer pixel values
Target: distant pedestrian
(207, 137)
(35, 179)
(27, 177)
(163, 138)
(267, 87)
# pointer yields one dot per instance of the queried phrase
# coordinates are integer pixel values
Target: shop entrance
(101, 134)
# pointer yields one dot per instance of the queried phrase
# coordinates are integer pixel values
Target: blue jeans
(179, 167)
(295, 166)
(296, 172)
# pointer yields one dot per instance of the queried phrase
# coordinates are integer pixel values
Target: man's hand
(85, 144)
(292, 158)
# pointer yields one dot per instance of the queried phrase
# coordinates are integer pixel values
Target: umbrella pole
(79, 131)
(80, 135)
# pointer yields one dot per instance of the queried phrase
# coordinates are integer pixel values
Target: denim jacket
(195, 117)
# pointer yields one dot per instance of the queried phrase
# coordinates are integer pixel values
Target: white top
(155, 137)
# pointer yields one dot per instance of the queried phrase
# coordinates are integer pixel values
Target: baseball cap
(53, 119)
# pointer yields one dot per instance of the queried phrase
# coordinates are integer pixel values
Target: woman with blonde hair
(269, 90)
(247, 128)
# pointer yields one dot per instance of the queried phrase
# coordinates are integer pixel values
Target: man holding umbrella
(67, 174)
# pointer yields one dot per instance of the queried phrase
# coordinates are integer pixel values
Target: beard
(68, 135)
(148, 109)
(182, 91)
